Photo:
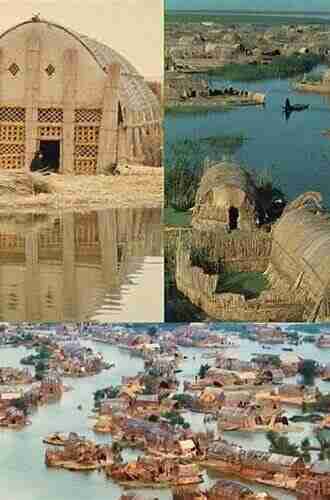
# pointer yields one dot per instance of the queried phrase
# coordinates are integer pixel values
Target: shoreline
(62, 193)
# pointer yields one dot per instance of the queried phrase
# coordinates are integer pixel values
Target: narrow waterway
(295, 150)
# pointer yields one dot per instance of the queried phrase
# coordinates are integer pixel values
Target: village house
(226, 198)
(229, 490)
(13, 418)
(79, 454)
(148, 470)
(291, 394)
(251, 417)
(15, 376)
(80, 103)
(323, 341)
(270, 375)
(256, 465)
(230, 362)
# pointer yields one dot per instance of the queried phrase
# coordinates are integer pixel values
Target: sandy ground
(136, 186)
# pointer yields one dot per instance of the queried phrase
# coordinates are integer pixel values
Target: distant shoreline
(253, 12)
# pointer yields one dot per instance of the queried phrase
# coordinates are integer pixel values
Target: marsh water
(294, 150)
(23, 473)
(105, 265)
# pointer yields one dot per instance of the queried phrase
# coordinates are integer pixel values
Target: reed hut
(83, 105)
(226, 197)
(301, 257)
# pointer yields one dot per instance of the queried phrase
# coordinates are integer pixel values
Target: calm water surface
(98, 265)
(24, 475)
(295, 150)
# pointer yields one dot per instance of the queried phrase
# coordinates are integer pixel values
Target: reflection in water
(82, 266)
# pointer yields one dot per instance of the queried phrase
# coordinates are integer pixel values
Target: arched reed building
(78, 101)
(226, 197)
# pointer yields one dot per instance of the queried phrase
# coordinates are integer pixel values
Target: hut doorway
(51, 155)
(233, 215)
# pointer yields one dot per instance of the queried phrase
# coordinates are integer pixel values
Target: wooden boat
(289, 108)
(75, 466)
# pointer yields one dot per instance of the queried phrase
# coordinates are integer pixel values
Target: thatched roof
(229, 183)
(301, 244)
(134, 91)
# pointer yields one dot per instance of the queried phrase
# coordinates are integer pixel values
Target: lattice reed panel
(12, 149)
(85, 166)
(86, 151)
(12, 156)
(86, 135)
(88, 115)
(12, 133)
(50, 115)
(12, 114)
(50, 132)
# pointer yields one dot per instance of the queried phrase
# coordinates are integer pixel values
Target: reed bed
(33, 192)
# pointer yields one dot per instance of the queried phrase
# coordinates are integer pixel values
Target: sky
(132, 27)
(302, 5)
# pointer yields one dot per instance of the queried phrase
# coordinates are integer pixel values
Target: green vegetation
(249, 284)
(264, 360)
(177, 307)
(40, 369)
(309, 371)
(322, 404)
(110, 392)
(265, 18)
(43, 355)
(229, 143)
(310, 339)
(180, 108)
(183, 399)
(174, 419)
(281, 444)
(203, 370)
(312, 418)
(280, 67)
(185, 161)
(177, 217)
(324, 443)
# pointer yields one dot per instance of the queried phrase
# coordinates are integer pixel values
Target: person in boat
(287, 106)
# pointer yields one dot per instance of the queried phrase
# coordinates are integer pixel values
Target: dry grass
(136, 186)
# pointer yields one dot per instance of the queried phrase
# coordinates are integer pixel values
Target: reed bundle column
(108, 140)
(32, 92)
(69, 98)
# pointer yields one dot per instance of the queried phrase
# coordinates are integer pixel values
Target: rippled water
(105, 265)
(23, 473)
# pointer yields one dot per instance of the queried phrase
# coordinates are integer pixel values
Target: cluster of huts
(185, 89)
(78, 453)
(285, 472)
(235, 231)
(70, 359)
(15, 376)
(17, 403)
(199, 46)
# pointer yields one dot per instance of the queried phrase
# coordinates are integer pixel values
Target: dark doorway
(233, 218)
(50, 155)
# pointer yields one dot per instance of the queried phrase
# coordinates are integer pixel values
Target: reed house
(77, 101)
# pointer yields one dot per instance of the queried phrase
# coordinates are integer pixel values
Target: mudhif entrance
(233, 215)
(50, 152)
(47, 158)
